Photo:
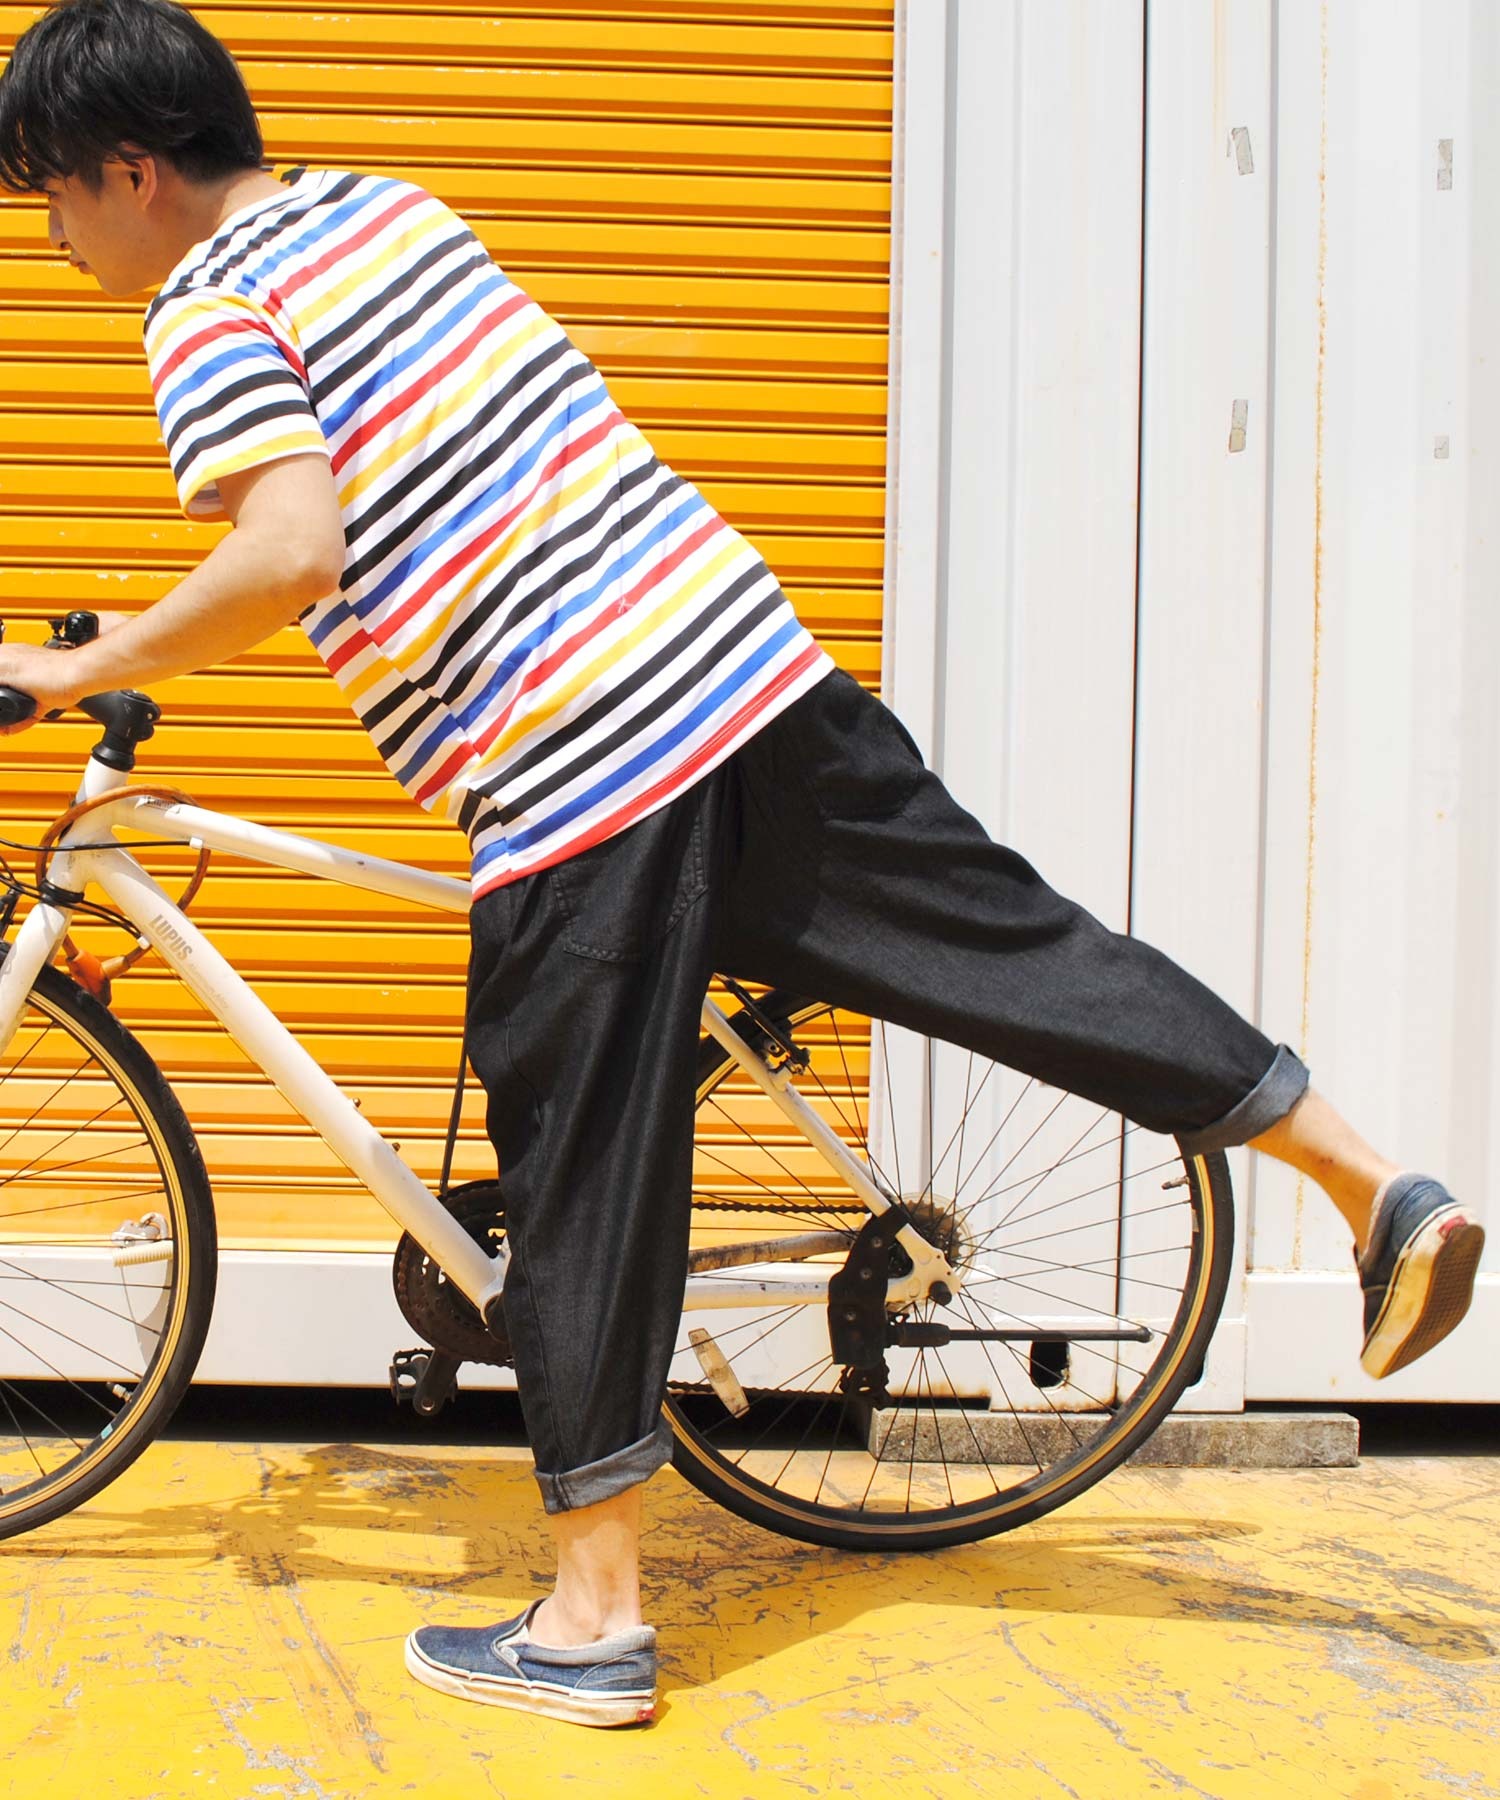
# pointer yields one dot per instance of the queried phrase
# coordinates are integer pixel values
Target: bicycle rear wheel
(1092, 1259)
(107, 1254)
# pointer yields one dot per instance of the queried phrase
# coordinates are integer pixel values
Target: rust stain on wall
(1310, 891)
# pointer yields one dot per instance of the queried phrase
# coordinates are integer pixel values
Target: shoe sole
(627, 1709)
(1429, 1292)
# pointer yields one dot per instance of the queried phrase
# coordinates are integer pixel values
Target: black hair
(92, 75)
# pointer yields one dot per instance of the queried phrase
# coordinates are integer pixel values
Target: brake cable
(89, 971)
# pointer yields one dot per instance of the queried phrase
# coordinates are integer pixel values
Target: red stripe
(224, 328)
(542, 671)
(188, 346)
(474, 548)
(449, 771)
(680, 777)
(345, 245)
(429, 379)
(357, 640)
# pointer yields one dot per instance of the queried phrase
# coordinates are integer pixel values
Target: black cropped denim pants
(822, 857)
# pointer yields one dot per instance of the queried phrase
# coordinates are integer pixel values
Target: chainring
(433, 1305)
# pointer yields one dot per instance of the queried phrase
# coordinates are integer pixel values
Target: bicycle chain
(851, 1208)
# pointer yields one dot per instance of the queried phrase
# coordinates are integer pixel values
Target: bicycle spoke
(93, 1138)
(19, 1274)
(1036, 1212)
(20, 1433)
(57, 1331)
(885, 1065)
(1107, 1187)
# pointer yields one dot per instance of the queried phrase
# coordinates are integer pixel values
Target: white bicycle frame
(312, 1093)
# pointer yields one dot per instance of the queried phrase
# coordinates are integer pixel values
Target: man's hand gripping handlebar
(128, 718)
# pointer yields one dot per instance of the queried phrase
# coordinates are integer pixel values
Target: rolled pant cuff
(609, 1476)
(1269, 1101)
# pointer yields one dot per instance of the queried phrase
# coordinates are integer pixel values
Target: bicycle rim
(107, 1254)
(1092, 1258)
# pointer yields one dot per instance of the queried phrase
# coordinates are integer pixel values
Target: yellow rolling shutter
(699, 191)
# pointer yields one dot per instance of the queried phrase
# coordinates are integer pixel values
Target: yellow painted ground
(228, 1621)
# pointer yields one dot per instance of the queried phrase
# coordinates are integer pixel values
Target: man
(555, 641)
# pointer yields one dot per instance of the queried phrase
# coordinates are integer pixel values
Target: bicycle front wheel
(107, 1254)
(1091, 1259)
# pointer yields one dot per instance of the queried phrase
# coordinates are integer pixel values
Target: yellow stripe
(179, 318)
(525, 528)
(559, 699)
(531, 325)
(413, 231)
(200, 474)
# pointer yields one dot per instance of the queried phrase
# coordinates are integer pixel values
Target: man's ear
(143, 172)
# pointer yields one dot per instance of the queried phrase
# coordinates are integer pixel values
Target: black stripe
(220, 399)
(273, 229)
(320, 350)
(480, 464)
(390, 746)
(237, 428)
(499, 597)
(191, 281)
(462, 441)
(639, 719)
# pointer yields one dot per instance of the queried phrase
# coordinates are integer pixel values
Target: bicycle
(928, 1299)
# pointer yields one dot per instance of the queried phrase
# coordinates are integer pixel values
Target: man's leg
(1321, 1144)
(598, 1590)
(586, 988)
(863, 882)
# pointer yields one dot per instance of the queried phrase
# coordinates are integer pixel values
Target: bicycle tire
(794, 1458)
(68, 1314)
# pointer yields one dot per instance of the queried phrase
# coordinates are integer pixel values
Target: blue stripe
(325, 224)
(340, 612)
(493, 498)
(426, 347)
(625, 563)
(261, 350)
(625, 775)
(525, 652)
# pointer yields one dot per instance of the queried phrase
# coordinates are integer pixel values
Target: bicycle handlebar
(68, 633)
(128, 719)
(15, 707)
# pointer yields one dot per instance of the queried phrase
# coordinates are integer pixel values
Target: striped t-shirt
(547, 633)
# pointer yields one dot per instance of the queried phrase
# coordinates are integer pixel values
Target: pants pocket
(620, 899)
(851, 754)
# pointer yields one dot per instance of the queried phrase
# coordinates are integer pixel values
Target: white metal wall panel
(1010, 613)
(1204, 456)
(1316, 748)
(1382, 891)
(1011, 589)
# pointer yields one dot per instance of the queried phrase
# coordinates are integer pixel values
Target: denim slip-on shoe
(611, 1682)
(1417, 1271)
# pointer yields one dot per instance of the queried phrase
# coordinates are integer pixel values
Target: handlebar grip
(15, 707)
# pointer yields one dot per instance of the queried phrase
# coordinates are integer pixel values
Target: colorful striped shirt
(547, 633)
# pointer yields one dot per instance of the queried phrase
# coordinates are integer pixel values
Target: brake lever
(79, 627)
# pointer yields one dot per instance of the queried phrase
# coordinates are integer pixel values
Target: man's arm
(286, 550)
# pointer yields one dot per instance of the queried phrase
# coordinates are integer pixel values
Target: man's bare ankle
(566, 1627)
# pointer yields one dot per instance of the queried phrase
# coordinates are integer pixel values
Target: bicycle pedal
(425, 1379)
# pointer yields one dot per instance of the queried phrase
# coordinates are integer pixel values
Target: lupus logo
(165, 932)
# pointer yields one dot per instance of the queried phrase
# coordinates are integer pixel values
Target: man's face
(105, 233)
